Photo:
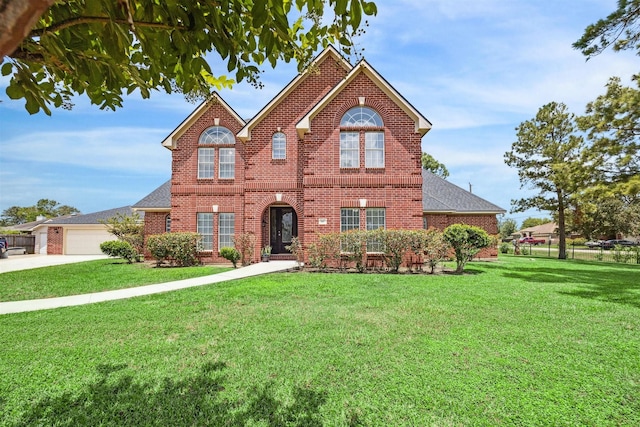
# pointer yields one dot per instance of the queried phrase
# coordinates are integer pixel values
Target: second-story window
(221, 139)
(279, 146)
(361, 126)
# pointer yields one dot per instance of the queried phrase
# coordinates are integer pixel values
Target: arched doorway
(283, 226)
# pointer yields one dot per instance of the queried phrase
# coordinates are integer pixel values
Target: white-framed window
(204, 227)
(349, 150)
(349, 219)
(279, 146)
(355, 124)
(361, 117)
(376, 218)
(374, 149)
(226, 228)
(227, 163)
(217, 135)
(211, 140)
(167, 224)
(206, 157)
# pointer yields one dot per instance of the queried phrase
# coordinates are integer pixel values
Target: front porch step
(282, 257)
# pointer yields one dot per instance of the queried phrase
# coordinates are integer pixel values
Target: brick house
(338, 148)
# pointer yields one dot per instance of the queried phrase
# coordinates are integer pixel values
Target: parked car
(531, 241)
(4, 246)
(594, 244)
(608, 244)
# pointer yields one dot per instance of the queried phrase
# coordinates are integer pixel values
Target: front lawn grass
(520, 341)
(91, 276)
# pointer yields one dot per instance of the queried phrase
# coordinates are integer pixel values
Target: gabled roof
(422, 124)
(30, 226)
(547, 228)
(92, 218)
(441, 196)
(170, 141)
(245, 132)
(158, 200)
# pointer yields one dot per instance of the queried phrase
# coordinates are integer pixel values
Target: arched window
(359, 126)
(209, 141)
(217, 135)
(279, 146)
(361, 117)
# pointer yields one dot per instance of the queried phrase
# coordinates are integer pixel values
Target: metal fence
(617, 254)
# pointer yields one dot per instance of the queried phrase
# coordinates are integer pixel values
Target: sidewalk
(68, 301)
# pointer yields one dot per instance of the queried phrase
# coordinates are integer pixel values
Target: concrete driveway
(25, 262)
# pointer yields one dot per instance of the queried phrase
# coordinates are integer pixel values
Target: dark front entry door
(284, 226)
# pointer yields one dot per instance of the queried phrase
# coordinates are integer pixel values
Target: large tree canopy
(621, 30)
(432, 165)
(44, 207)
(105, 48)
(547, 155)
(612, 124)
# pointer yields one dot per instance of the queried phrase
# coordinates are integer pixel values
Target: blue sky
(475, 68)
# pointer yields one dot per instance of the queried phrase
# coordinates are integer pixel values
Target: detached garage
(81, 234)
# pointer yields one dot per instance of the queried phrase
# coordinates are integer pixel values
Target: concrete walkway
(238, 273)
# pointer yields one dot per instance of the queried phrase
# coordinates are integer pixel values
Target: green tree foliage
(432, 165)
(621, 30)
(435, 248)
(466, 241)
(612, 125)
(44, 207)
(245, 244)
(547, 155)
(104, 48)
(604, 216)
(128, 228)
(507, 227)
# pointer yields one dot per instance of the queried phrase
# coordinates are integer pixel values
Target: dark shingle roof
(160, 198)
(93, 218)
(439, 195)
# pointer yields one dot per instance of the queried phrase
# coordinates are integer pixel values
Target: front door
(284, 226)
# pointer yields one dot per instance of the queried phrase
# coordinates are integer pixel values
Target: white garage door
(86, 242)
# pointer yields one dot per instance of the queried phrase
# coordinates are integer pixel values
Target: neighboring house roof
(170, 141)
(441, 196)
(546, 229)
(422, 124)
(245, 132)
(92, 218)
(158, 200)
(30, 226)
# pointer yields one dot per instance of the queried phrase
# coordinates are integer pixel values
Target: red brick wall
(55, 239)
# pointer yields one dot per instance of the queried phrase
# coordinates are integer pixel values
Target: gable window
(226, 228)
(221, 139)
(279, 146)
(227, 163)
(361, 126)
(204, 227)
(349, 150)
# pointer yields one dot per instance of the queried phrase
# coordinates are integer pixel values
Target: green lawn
(520, 341)
(92, 276)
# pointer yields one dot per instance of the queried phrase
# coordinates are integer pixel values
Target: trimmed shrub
(119, 249)
(325, 251)
(435, 248)
(179, 247)
(296, 250)
(231, 254)
(466, 240)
